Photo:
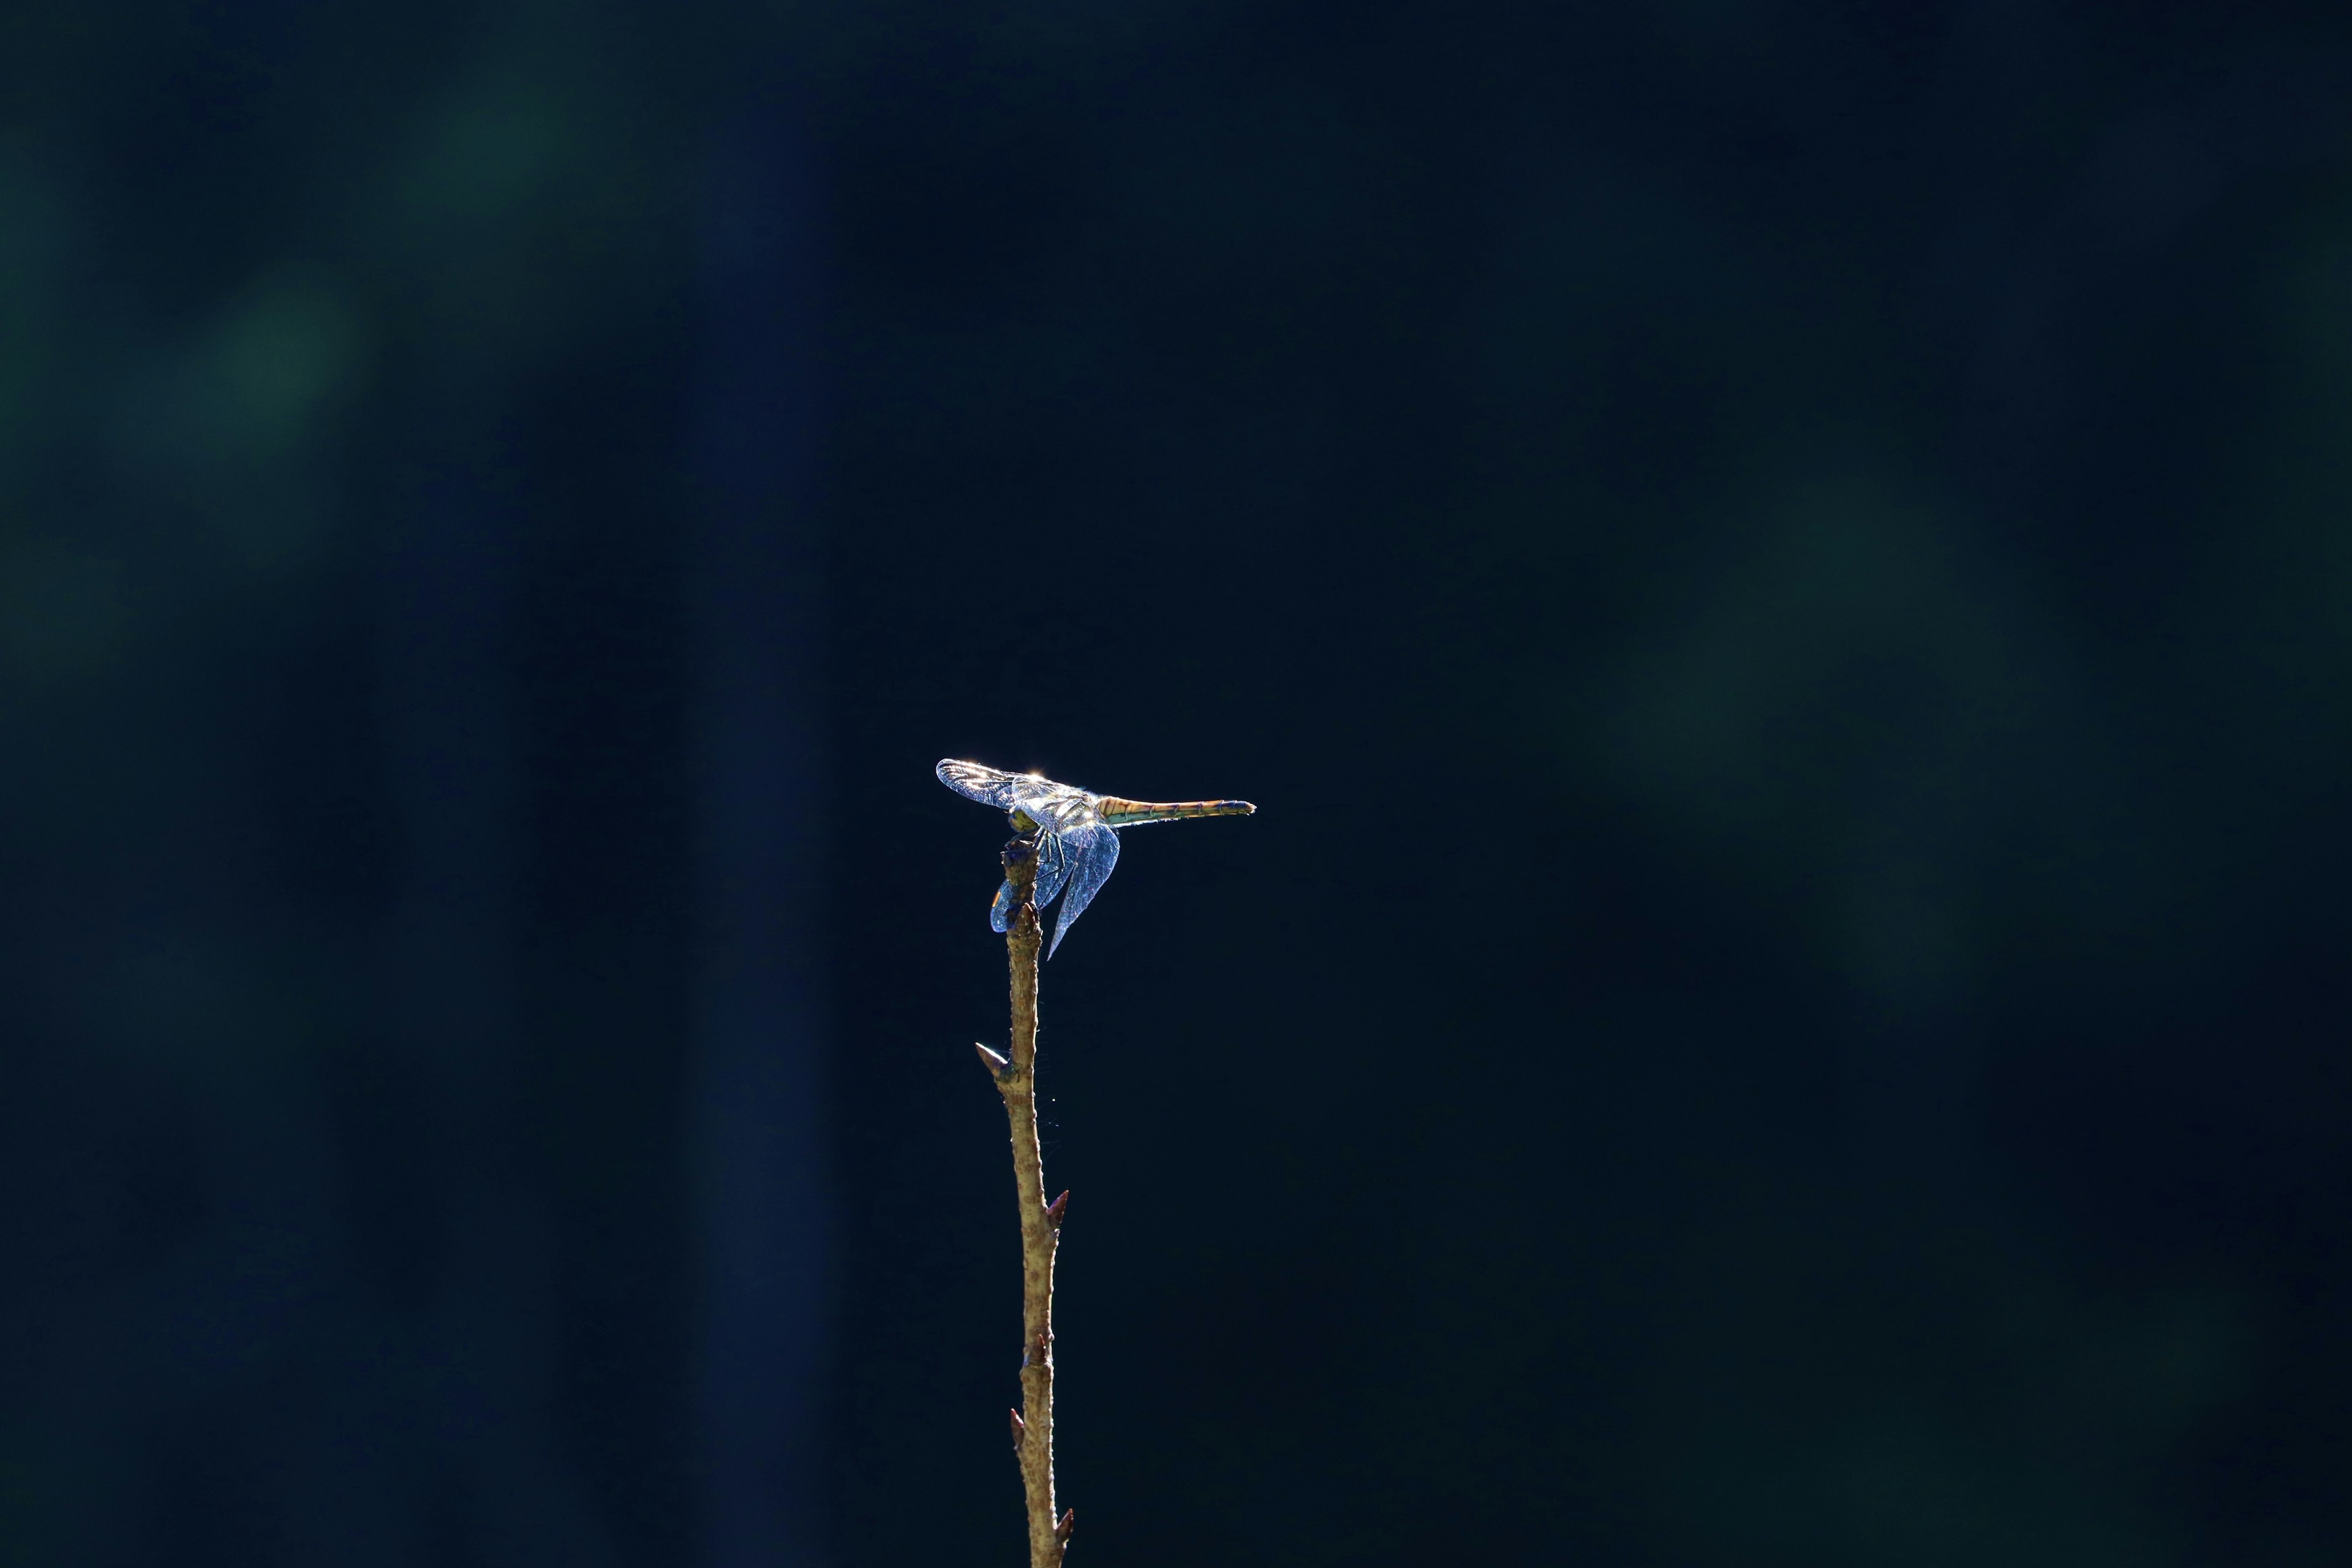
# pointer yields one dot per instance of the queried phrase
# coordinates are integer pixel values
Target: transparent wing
(1054, 862)
(1054, 806)
(990, 787)
(1094, 849)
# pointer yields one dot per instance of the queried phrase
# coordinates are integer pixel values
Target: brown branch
(1033, 1424)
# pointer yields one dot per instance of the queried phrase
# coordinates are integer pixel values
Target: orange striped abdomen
(1121, 813)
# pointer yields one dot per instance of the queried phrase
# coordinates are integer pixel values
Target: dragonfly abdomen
(1121, 813)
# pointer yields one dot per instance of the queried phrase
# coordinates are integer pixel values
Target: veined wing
(1052, 807)
(990, 787)
(1094, 850)
(1056, 860)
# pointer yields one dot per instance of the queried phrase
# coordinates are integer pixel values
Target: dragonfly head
(1021, 821)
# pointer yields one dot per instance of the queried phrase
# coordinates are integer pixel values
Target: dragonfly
(1078, 843)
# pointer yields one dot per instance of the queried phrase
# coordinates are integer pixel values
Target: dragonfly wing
(1094, 850)
(1055, 861)
(990, 787)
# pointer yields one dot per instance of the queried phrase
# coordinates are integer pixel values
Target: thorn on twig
(997, 1066)
(1056, 1209)
(1069, 1524)
(1020, 1431)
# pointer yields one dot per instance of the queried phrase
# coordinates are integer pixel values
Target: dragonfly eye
(1021, 821)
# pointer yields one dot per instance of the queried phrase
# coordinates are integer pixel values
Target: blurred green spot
(482, 157)
(275, 362)
(61, 612)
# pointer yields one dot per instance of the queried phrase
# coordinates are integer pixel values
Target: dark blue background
(1781, 574)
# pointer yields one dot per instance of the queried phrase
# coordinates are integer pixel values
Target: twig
(1041, 1224)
